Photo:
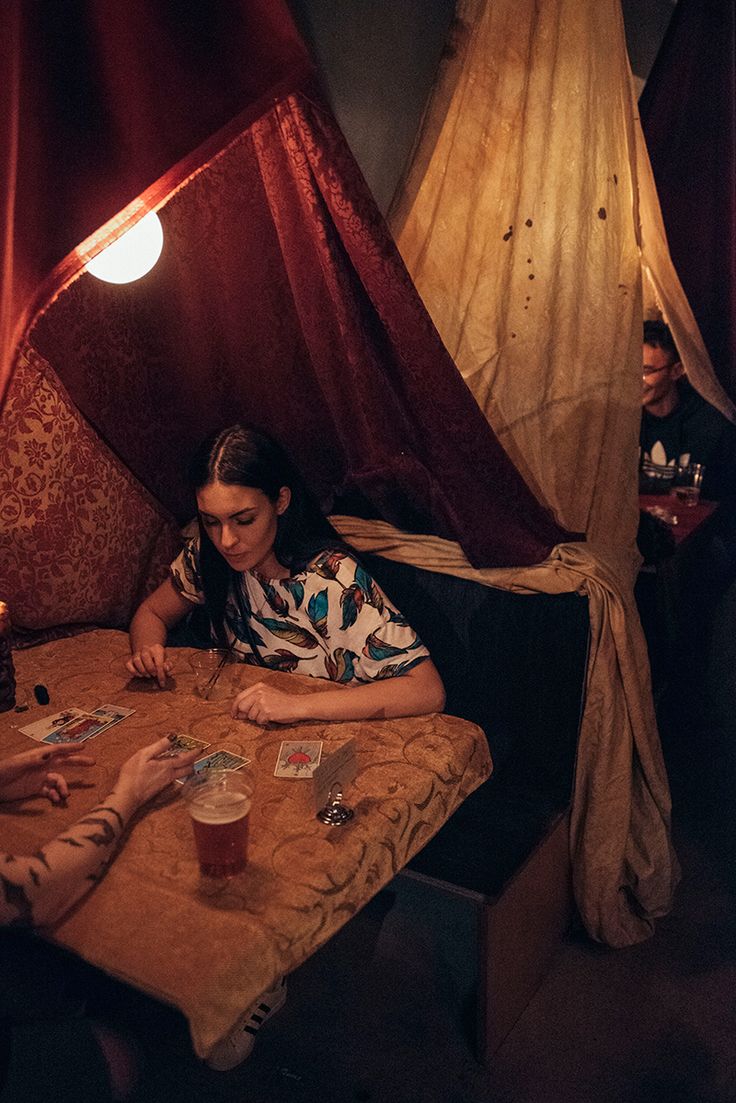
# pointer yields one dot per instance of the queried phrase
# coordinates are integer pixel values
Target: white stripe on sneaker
(237, 1046)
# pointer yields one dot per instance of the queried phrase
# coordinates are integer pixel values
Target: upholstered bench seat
(515, 664)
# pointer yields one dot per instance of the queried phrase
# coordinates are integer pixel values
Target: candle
(7, 671)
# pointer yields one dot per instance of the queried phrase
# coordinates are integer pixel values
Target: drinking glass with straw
(208, 666)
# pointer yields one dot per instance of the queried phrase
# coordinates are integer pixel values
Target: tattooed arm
(37, 889)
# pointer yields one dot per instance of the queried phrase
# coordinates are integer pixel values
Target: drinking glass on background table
(688, 483)
(219, 803)
(211, 679)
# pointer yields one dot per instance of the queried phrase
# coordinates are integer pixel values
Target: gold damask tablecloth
(153, 922)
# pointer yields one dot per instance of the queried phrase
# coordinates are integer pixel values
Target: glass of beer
(219, 803)
(688, 482)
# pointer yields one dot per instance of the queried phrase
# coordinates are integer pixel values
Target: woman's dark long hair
(243, 456)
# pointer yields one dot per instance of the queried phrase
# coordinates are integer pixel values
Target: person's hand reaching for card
(150, 770)
(150, 662)
(42, 886)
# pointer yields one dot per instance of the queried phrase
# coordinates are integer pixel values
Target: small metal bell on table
(335, 813)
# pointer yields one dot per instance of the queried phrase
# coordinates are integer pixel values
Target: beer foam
(219, 807)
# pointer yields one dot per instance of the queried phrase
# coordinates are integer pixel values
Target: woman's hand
(160, 611)
(262, 704)
(150, 770)
(150, 662)
(30, 775)
(416, 693)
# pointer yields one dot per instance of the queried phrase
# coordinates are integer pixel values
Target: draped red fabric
(688, 114)
(99, 99)
(279, 298)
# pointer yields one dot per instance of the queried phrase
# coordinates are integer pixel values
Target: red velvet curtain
(99, 99)
(688, 114)
(279, 298)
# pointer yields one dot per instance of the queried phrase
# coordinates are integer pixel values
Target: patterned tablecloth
(153, 922)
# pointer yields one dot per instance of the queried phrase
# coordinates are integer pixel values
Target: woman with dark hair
(283, 591)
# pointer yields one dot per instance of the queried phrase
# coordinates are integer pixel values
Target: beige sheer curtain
(519, 222)
(520, 231)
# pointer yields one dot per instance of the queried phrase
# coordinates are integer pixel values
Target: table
(688, 518)
(153, 921)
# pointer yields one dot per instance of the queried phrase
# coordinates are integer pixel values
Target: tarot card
(50, 724)
(181, 743)
(113, 713)
(298, 758)
(78, 730)
(217, 760)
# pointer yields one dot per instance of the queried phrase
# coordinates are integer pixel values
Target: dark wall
(378, 59)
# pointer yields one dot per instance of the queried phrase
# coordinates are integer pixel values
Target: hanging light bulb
(132, 255)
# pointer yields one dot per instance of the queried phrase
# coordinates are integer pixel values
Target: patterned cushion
(80, 539)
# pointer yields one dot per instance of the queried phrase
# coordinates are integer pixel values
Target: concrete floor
(383, 1014)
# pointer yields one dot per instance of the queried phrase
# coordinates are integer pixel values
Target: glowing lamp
(132, 255)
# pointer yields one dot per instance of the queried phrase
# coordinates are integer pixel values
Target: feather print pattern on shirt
(330, 620)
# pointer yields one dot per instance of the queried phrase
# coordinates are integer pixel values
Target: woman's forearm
(37, 890)
(413, 694)
(416, 693)
(146, 629)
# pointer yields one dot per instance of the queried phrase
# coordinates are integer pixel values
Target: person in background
(679, 603)
(678, 426)
(48, 1050)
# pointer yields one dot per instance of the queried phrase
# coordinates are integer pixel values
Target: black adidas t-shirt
(695, 432)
